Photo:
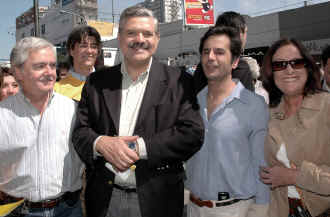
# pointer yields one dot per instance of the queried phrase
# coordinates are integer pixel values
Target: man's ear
(235, 63)
(18, 73)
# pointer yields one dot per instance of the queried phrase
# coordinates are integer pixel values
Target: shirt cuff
(95, 153)
(142, 148)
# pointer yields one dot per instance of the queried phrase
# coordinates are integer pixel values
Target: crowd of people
(126, 141)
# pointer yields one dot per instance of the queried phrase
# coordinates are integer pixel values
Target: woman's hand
(278, 176)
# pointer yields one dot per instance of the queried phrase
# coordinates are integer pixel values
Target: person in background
(326, 68)
(83, 46)
(241, 72)
(223, 176)
(8, 83)
(297, 147)
(255, 71)
(62, 70)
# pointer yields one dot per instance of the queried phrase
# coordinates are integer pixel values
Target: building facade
(309, 24)
(166, 11)
(57, 21)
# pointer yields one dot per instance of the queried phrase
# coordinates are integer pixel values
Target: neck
(134, 70)
(83, 70)
(292, 104)
(221, 88)
(38, 101)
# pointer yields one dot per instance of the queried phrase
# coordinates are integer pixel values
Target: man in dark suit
(242, 71)
(141, 174)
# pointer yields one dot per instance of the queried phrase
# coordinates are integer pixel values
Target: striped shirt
(38, 161)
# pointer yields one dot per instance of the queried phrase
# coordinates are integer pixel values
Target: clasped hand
(278, 176)
(116, 151)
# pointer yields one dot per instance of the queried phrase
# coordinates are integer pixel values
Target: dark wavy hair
(78, 35)
(4, 71)
(313, 84)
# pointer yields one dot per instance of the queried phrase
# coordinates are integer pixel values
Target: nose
(10, 90)
(289, 69)
(211, 55)
(140, 37)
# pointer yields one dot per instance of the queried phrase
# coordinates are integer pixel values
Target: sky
(13, 8)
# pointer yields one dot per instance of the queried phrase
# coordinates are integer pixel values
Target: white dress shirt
(38, 161)
(131, 99)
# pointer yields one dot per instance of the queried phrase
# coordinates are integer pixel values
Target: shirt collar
(235, 94)
(309, 103)
(21, 95)
(142, 75)
(79, 76)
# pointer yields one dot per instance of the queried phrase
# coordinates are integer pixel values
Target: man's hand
(278, 176)
(116, 151)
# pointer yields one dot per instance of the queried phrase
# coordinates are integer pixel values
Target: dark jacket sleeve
(84, 133)
(179, 126)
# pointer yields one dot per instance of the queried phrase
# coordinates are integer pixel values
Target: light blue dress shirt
(233, 148)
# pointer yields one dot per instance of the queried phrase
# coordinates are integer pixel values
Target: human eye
(38, 66)
(148, 34)
(219, 51)
(131, 33)
(83, 45)
(94, 46)
(52, 65)
(206, 51)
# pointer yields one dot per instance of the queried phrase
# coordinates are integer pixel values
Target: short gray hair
(20, 53)
(254, 66)
(136, 11)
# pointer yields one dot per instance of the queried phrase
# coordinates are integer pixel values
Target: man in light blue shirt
(223, 176)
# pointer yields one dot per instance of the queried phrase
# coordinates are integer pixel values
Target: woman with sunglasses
(297, 147)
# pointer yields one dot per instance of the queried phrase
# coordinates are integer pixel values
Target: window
(43, 29)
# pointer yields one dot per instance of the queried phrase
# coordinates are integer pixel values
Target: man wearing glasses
(83, 46)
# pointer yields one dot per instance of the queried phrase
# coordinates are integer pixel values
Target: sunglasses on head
(295, 64)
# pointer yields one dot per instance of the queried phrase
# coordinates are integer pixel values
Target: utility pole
(36, 18)
(113, 15)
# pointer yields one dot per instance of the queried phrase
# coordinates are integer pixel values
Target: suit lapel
(112, 94)
(155, 90)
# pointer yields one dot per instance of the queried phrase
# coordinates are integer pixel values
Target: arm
(83, 135)
(180, 129)
(259, 125)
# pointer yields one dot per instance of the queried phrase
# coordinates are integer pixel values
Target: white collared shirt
(78, 76)
(38, 161)
(131, 100)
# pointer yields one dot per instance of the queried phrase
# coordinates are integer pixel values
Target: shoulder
(105, 72)
(9, 104)
(318, 100)
(64, 102)
(251, 98)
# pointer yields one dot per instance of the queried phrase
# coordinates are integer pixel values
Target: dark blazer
(242, 73)
(168, 121)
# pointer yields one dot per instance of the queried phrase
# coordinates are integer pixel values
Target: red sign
(199, 12)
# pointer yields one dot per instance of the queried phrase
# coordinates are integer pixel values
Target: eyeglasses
(295, 64)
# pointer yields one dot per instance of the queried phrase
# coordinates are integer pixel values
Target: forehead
(88, 39)
(8, 78)
(43, 54)
(140, 23)
(217, 41)
(287, 52)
